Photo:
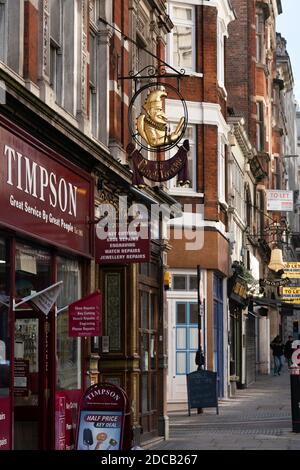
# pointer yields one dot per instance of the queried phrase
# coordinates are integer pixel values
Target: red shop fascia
(46, 203)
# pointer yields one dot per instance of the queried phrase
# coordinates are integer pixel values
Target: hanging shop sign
(42, 194)
(292, 270)
(280, 200)
(239, 291)
(85, 318)
(104, 419)
(290, 295)
(122, 247)
(151, 132)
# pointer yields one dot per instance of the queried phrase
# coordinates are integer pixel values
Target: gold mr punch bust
(152, 123)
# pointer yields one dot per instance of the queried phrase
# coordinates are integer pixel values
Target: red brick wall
(31, 19)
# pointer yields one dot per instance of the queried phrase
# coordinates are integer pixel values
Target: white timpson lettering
(60, 192)
(30, 177)
(73, 199)
(44, 181)
(19, 186)
(53, 194)
(10, 153)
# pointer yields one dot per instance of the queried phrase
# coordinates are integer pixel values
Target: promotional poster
(99, 430)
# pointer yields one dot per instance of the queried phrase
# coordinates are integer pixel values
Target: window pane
(193, 283)
(112, 308)
(181, 363)
(181, 314)
(179, 282)
(68, 349)
(154, 389)
(144, 353)
(181, 338)
(194, 313)
(180, 13)
(4, 328)
(193, 366)
(152, 311)
(145, 402)
(144, 310)
(182, 47)
(32, 270)
(193, 332)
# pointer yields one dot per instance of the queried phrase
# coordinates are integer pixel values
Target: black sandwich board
(202, 390)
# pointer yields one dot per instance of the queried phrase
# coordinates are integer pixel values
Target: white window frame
(182, 23)
(182, 190)
(222, 169)
(260, 37)
(222, 33)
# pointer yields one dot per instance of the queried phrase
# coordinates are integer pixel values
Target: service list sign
(122, 247)
(85, 316)
(41, 193)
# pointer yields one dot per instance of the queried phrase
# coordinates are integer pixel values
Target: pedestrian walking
(200, 359)
(277, 348)
(288, 351)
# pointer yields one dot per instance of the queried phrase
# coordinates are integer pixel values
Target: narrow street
(256, 418)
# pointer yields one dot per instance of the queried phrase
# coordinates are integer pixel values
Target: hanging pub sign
(152, 133)
(238, 290)
(85, 316)
(104, 419)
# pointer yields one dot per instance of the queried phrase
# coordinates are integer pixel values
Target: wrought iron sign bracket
(153, 73)
(150, 72)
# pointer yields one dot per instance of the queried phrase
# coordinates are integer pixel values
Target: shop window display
(68, 349)
(4, 328)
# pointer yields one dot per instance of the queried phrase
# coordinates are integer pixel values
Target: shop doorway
(30, 380)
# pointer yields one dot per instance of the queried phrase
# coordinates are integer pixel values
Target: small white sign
(280, 200)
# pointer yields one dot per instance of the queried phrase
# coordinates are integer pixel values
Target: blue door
(218, 332)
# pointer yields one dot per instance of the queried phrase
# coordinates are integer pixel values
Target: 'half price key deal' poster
(99, 430)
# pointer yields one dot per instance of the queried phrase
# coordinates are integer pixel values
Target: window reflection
(68, 349)
(4, 330)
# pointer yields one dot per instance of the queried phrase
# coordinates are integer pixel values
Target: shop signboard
(202, 390)
(290, 295)
(280, 200)
(122, 247)
(42, 194)
(104, 419)
(5, 423)
(292, 270)
(85, 317)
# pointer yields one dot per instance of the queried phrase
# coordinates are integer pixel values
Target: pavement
(257, 418)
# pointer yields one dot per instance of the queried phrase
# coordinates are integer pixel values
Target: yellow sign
(292, 270)
(290, 295)
(290, 301)
(291, 291)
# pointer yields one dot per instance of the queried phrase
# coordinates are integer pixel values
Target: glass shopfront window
(4, 325)
(33, 270)
(68, 349)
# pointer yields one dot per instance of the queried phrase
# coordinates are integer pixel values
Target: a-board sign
(202, 390)
(104, 419)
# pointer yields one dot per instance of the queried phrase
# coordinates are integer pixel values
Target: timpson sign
(42, 194)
